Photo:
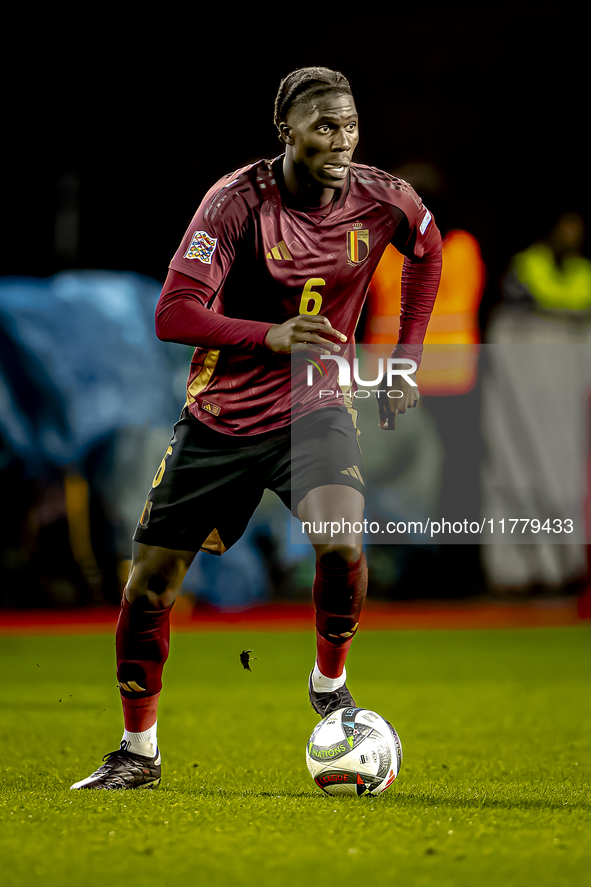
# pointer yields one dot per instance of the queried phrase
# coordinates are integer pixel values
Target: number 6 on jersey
(311, 302)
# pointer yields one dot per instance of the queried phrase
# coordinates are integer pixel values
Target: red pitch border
(376, 616)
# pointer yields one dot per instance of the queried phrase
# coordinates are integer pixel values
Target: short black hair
(303, 84)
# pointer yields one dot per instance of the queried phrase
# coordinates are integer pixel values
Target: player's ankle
(323, 684)
(144, 743)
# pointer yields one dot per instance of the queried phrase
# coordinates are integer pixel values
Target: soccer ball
(354, 751)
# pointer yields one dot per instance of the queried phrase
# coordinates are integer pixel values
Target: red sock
(140, 714)
(141, 642)
(338, 595)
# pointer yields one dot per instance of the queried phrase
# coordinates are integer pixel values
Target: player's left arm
(418, 238)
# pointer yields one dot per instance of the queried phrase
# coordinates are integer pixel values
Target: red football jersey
(265, 261)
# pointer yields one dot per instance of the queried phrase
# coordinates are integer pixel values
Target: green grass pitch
(494, 788)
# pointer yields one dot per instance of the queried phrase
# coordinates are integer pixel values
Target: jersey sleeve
(418, 291)
(208, 249)
(182, 316)
(418, 239)
(416, 235)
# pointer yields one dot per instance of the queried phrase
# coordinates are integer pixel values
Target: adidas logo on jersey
(280, 252)
(353, 472)
(212, 408)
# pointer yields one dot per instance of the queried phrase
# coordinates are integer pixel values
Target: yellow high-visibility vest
(564, 287)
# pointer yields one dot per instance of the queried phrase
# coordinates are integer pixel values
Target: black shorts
(209, 484)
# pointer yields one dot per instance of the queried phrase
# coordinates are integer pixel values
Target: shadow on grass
(406, 800)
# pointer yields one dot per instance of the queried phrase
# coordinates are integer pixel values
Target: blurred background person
(552, 274)
(536, 410)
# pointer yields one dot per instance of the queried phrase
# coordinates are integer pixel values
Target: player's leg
(322, 484)
(185, 511)
(333, 518)
(143, 637)
(142, 642)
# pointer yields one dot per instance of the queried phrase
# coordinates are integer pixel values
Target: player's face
(322, 141)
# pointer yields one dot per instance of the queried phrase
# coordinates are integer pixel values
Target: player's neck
(304, 194)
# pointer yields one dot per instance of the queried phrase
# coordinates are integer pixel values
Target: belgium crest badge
(358, 245)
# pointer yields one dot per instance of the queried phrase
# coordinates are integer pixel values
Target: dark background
(116, 122)
(123, 123)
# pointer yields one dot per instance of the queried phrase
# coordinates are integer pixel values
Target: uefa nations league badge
(202, 247)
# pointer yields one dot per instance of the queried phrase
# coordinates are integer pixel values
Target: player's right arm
(198, 271)
(182, 316)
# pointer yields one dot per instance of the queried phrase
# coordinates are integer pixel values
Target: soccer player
(277, 260)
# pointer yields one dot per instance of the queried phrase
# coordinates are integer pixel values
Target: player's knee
(155, 590)
(156, 576)
(335, 555)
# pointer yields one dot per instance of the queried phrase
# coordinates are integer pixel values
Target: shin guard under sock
(142, 643)
(339, 593)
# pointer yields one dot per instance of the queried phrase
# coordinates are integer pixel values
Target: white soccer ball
(354, 751)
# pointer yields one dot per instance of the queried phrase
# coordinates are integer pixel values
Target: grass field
(495, 788)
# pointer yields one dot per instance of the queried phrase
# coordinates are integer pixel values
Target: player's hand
(304, 332)
(405, 397)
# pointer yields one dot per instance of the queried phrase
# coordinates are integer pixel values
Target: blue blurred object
(237, 580)
(87, 389)
(79, 359)
(262, 565)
